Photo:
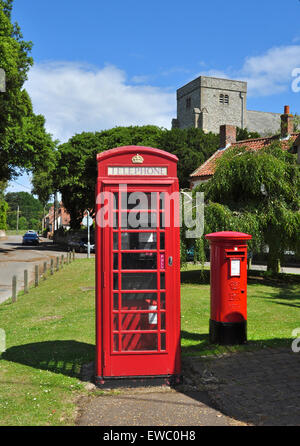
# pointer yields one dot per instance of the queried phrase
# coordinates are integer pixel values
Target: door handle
(170, 261)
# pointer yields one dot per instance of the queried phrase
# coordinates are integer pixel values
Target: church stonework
(208, 102)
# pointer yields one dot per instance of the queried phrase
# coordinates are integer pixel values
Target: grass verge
(50, 335)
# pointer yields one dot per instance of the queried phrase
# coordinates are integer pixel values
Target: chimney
(227, 135)
(287, 123)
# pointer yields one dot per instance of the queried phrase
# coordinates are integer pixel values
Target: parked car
(31, 238)
(80, 245)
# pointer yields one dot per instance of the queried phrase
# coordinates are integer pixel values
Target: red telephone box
(137, 265)
(228, 289)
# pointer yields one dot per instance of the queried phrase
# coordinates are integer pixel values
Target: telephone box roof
(130, 149)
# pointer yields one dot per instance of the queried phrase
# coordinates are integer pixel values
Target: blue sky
(99, 64)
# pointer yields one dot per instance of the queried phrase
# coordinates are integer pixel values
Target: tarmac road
(15, 258)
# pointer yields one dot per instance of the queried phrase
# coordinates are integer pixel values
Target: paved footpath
(260, 388)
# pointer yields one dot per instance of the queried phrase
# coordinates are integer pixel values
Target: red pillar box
(228, 287)
(137, 266)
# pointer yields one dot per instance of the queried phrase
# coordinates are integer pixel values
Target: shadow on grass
(197, 276)
(286, 292)
(204, 347)
(200, 277)
(65, 357)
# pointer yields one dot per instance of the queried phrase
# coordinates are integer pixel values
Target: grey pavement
(15, 258)
(256, 388)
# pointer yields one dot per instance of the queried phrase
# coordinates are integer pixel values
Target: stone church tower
(208, 102)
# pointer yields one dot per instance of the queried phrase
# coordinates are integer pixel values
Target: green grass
(14, 232)
(50, 335)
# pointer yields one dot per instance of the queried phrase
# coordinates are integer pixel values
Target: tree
(259, 193)
(30, 209)
(75, 173)
(24, 143)
(192, 147)
(3, 206)
(243, 134)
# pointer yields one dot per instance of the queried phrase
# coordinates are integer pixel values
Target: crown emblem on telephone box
(137, 159)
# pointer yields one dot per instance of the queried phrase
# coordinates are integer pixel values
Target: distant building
(61, 219)
(208, 102)
(287, 137)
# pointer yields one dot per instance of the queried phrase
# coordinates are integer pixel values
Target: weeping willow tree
(257, 193)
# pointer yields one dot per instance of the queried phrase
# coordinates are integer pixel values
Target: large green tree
(259, 193)
(192, 147)
(24, 143)
(75, 173)
(30, 209)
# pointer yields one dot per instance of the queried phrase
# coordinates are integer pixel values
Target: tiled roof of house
(207, 169)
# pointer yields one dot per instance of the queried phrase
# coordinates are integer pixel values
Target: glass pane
(139, 260)
(163, 301)
(115, 219)
(116, 301)
(138, 240)
(163, 341)
(116, 343)
(162, 240)
(116, 241)
(161, 219)
(162, 201)
(116, 261)
(162, 281)
(116, 282)
(139, 281)
(162, 321)
(139, 200)
(137, 220)
(138, 301)
(139, 321)
(116, 200)
(139, 341)
(116, 322)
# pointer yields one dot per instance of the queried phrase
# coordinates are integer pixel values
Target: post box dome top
(227, 236)
(133, 149)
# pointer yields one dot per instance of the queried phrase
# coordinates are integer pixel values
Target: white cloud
(74, 97)
(267, 74)
(271, 72)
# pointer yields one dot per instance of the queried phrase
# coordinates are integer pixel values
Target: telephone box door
(140, 314)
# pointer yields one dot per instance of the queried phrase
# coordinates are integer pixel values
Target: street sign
(87, 221)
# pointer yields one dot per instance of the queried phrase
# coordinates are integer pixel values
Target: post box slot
(235, 253)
